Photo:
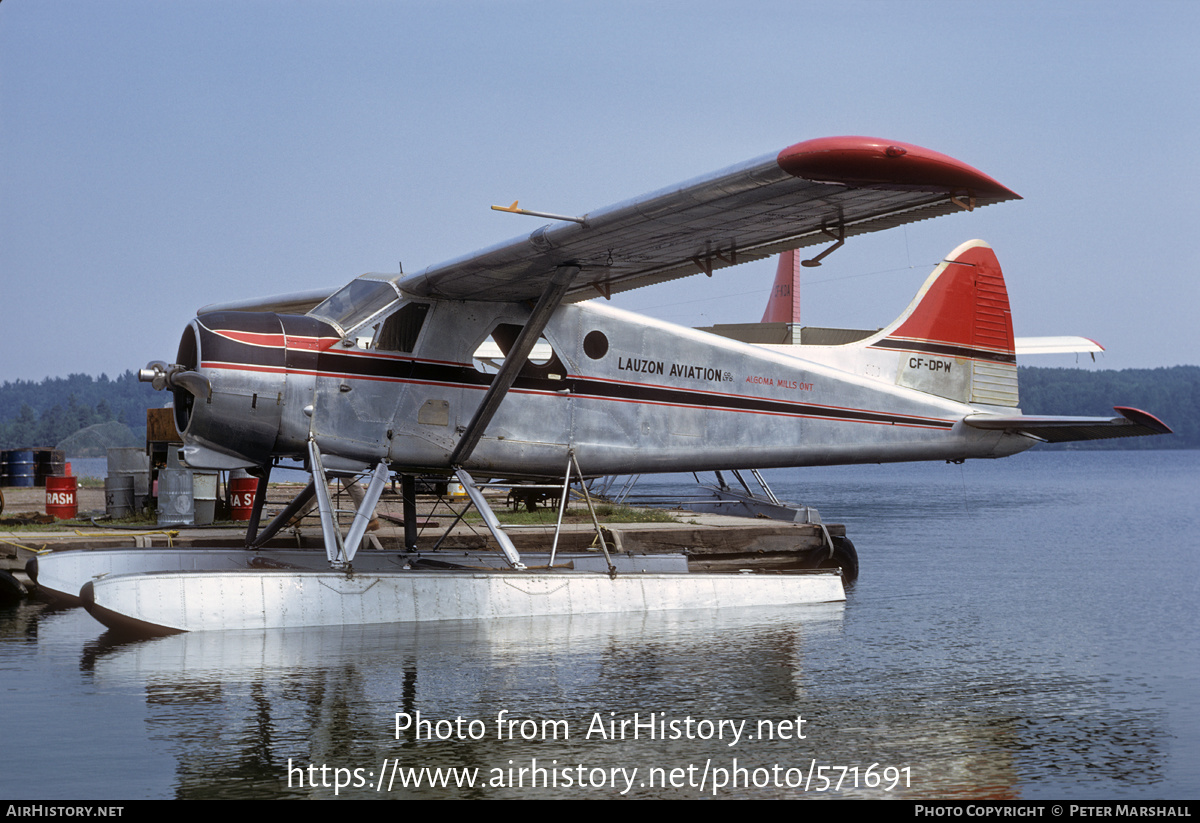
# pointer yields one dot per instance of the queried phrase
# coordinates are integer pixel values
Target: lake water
(1024, 628)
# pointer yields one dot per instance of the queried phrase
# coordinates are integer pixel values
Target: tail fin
(955, 340)
(784, 303)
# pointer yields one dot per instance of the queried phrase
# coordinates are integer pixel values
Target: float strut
(366, 510)
(329, 528)
(489, 517)
(285, 516)
(260, 497)
(408, 491)
(587, 498)
(340, 553)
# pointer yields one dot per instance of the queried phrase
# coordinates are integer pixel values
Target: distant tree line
(1170, 394)
(46, 413)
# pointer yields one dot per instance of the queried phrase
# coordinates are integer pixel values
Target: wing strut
(502, 382)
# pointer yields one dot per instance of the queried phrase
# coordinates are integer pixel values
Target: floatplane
(380, 377)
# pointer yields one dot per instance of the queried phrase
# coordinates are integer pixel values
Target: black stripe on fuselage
(944, 349)
(684, 397)
(336, 364)
(216, 347)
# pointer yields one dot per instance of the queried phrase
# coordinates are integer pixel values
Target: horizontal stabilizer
(1057, 345)
(1131, 423)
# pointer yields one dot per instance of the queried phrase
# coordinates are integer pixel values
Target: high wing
(1131, 423)
(817, 191)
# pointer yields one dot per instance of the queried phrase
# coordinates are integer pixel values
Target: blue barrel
(21, 468)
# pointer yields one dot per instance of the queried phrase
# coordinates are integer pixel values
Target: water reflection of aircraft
(330, 695)
(234, 710)
(379, 376)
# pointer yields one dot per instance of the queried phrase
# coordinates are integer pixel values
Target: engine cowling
(241, 383)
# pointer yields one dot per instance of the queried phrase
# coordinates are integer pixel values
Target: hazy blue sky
(158, 156)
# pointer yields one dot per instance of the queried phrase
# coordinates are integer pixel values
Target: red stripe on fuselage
(324, 343)
(895, 419)
(276, 341)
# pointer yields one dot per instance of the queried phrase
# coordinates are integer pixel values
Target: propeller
(174, 376)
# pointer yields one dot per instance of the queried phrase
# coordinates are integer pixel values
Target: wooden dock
(711, 542)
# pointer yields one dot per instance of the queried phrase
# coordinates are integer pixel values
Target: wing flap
(798, 198)
(1052, 429)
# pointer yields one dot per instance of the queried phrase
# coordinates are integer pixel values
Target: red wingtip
(1143, 419)
(872, 162)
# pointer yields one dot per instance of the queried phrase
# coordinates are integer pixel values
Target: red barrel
(241, 497)
(60, 498)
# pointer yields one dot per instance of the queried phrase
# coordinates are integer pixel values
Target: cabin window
(400, 331)
(542, 362)
(595, 345)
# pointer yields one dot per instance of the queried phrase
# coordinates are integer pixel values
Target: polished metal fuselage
(626, 393)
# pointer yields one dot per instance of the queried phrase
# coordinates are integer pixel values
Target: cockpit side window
(400, 331)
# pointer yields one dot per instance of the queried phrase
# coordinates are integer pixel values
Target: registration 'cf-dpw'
(384, 375)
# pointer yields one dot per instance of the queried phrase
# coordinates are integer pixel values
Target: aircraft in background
(780, 324)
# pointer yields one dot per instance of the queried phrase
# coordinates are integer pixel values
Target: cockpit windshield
(355, 304)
